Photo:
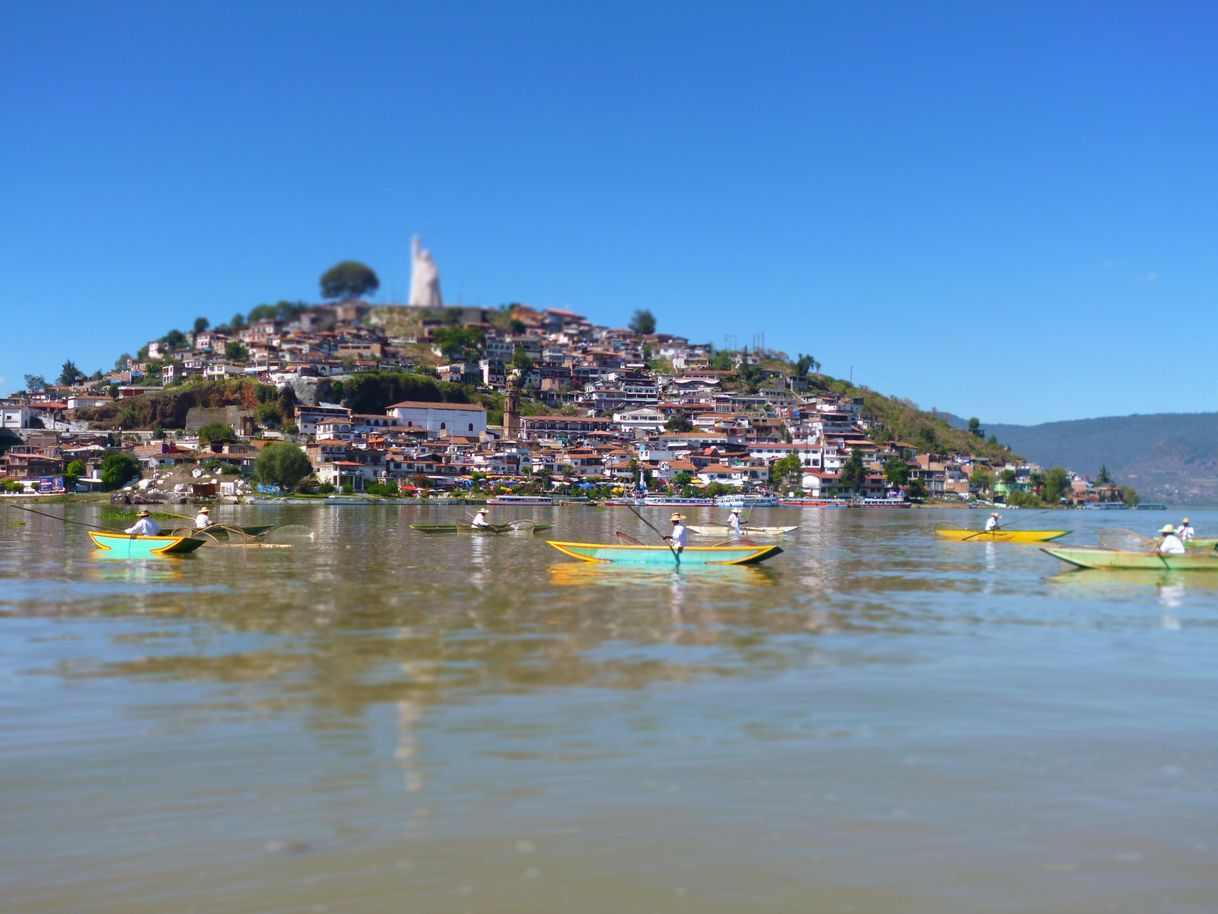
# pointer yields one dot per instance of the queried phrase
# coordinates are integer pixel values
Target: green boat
(663, 555)
(1094, 557)
(1202, 543)
(127, 545)
(514, 526)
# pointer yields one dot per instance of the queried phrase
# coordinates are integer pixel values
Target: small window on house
(471, 426)
(443, 426)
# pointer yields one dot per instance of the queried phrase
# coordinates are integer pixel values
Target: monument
(424, 278)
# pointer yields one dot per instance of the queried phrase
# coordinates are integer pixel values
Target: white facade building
(440, 419)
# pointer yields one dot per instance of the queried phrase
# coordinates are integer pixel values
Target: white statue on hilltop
(424, 278)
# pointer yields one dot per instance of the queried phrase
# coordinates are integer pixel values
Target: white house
(18, 416)
(468, 419)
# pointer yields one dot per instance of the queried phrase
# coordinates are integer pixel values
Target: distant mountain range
(1171, 457)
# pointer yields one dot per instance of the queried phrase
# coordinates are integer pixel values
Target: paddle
(63, 520)
(1007, 526)
(627, 538)
(676, 557)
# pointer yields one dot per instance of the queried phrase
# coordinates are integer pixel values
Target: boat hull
(662, 555)
(1092, 557)
(1002, 536)
(143, 547)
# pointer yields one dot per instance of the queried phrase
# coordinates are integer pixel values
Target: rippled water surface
(375, 720)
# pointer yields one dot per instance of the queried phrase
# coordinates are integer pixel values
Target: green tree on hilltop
(643, 322)
(201, 324)
(70, 374)
(348, 279)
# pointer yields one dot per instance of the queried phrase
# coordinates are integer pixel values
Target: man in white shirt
(992, 523)
(203, 520)
(679, 533)
(733, 521)
(145, 526)
(1170, 543)
(1185, 531)
(480, 519)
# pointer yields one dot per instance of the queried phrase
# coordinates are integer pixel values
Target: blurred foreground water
(377, 720)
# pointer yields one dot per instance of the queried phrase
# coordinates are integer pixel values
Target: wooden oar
(1007, 527)
(676, 556)
(626, 537)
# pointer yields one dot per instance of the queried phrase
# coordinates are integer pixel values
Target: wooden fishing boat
(662, 555)
(142, 547)
(745, 530)
(1095, 557)
(1001, 536)
(1202, 543)
(490, 528)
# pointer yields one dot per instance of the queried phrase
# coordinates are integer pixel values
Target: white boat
(665, 501)
(746, 501)
(521, 500)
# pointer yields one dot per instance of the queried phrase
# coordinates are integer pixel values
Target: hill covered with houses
(408, 400)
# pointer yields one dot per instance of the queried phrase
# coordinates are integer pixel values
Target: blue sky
(1007, 210)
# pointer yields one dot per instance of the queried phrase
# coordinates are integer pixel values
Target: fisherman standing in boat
(733, 521)
(679, 533)
(203, 520)
(1185, 532)
(144, 526)
(1170, 544)
(480, 519)
(992, 523)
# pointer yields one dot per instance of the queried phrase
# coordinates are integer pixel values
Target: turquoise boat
(662, 555)
(127, 545)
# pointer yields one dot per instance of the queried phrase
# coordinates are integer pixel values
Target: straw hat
(677, 517)
(735, 510)
(143, 513)
(995, 514)
(204, 510)
(1167, 528)
(482, 510)
(1185, 521)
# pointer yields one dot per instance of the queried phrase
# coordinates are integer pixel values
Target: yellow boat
(1002, 536)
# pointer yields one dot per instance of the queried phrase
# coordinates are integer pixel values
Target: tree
(70, 374)
(174, 339)
(282, 464)
(71, 473)
(787, 472)
(679, 423)
(521, 360)
(853, 475)
(116, 469)
(643, 322)
(214, 433)
(1008, 478)
(201, 324)
(1104, 479)
(35, 383)
(896, 471)
(974, 427)
(269, 415)
(982, 481)
(1130, 496)
(1057, 484)
(916, 489)
(348, 279)
(805, 364)
(236, 352)
(238, 321)
(455, 342)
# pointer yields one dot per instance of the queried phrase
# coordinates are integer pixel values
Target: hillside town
(583, 406)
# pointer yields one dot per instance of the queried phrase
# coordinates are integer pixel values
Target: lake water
(375, 720)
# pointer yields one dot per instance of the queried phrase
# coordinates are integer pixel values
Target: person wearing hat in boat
(144, 526)
(679, 533)
(1170, 544)
(992, 523)
(203, 520)
(733, 521)
(1185, 532)
(480, 519)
